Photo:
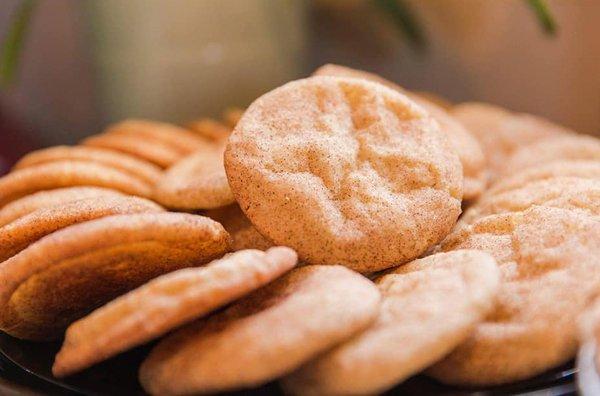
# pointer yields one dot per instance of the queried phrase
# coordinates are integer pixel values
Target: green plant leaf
(13, 42)
(405, 20)
(544, 16)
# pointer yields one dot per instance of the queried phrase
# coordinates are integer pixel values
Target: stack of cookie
(78, 227)
(357, 179)
(539, 219)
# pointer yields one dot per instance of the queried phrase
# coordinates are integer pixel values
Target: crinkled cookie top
(344, 171)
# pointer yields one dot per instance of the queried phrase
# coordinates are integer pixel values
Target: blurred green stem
(400, 12)
(13, 42)
(406, 21)
(542, 12)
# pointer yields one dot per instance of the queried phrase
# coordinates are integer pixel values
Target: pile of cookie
(315, 238)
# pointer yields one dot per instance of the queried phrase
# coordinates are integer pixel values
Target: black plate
(30, 362)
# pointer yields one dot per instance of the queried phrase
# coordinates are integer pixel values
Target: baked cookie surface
(265, 335)
(24, 231)
(562, 168)
(70, 272)
(196, 182)
(48, 198)
(429, 306)
(156, 152)
(179, 139)
(501, 132)
(565, 192)
(344, 171)
(143, 170)
(68, 173)
(166, 303)
(548, 261)
(466, 146)
(556, 148)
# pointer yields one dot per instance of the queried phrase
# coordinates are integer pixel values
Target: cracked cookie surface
(466, 146)
(429, 306)
(345, 172)
(548, 261)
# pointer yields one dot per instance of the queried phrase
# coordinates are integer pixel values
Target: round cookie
(345, 171)
(466, 146)
(67, 274)
(547, 257)
(501, 132)
(179, 139)
(210, 129)
(22, 232)
(265, 335)
(145, 171)
(166, 303)
(243, 234)
(429, 306)
(568, 147)
(196, 182)
(560, 192)
(155, 152)
(45, 199)
(60, 174)
(580, 169)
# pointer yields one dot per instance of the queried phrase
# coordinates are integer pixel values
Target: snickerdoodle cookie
(560, 192)
(143, 170)
(466, 146)
(149, 132)
(166, 303)
(155, 152)
(196, 182)
(548, 260)
(265, 335)
(501, 132)
(567, 147)
(22, 232)
(68, 273)
(70, 173)
(243, 234)
(345, 171)
(45, 199)
(210, 129)
(429, 306)
(577, 168)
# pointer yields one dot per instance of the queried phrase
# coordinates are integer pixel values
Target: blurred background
(85, 63)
